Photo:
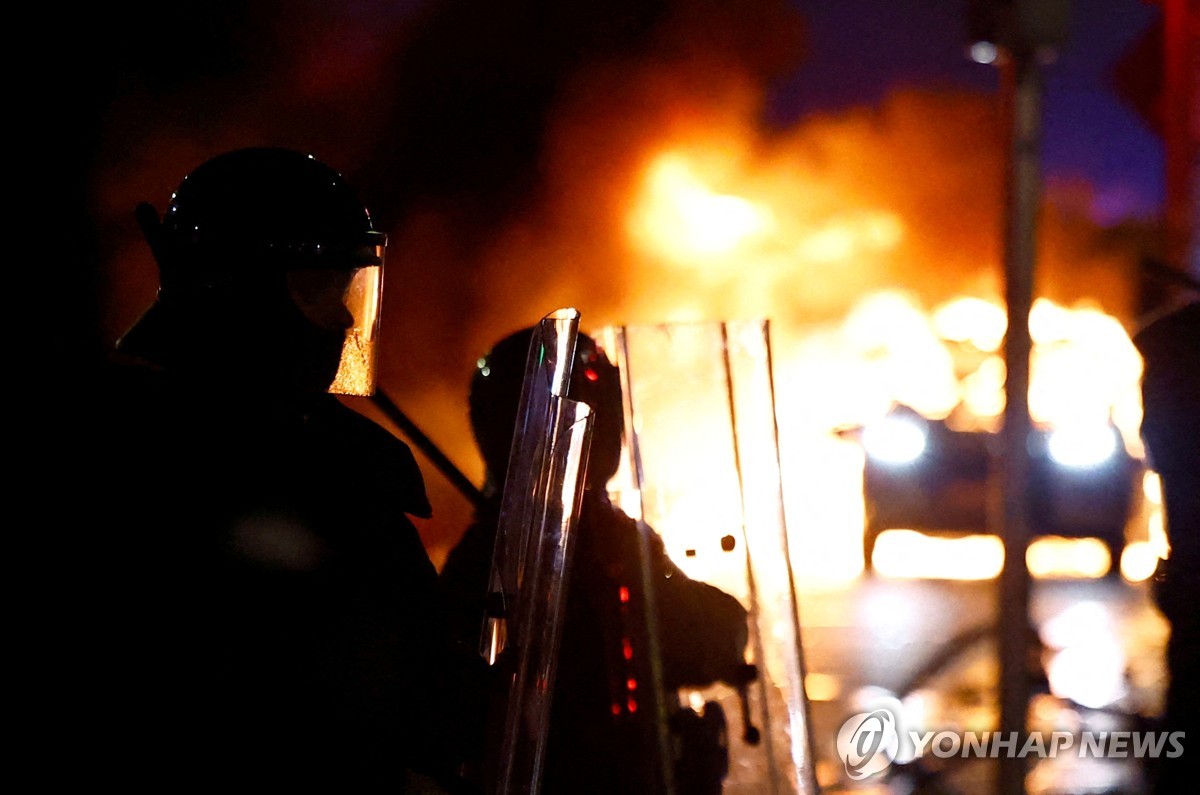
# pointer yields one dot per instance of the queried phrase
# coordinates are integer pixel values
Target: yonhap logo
(868, 742)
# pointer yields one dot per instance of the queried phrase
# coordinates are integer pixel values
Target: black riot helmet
(270, 268)
(495, 397)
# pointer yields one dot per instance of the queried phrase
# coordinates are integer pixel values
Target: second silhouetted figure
(598, 738)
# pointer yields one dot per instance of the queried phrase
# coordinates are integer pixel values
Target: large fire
(870, 238)
(890, 349)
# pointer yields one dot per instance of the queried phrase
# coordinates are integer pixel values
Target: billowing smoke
(520, 156)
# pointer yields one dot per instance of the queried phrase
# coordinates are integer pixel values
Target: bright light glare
(680, 217)
(1091, 673)
(1082, 446)
(1054, 557)
(822, 687)
(1156, 534)
(974, 320)
(1152, 487)
(983, 52)
(908, 554)
(1139, 561)
(894, 440)
(842, 238)
(1075, 624)
(1088, 666)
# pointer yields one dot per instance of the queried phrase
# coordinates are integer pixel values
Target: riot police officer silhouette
(1170, 347)
(269, 612)
(601, 700)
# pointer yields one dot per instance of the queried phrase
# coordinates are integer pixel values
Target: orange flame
(888, 349)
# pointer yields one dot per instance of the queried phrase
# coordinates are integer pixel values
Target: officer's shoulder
(381, 456)
(355, 426)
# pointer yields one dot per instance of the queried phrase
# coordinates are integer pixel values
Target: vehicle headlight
(1082, 446)
(894, 440)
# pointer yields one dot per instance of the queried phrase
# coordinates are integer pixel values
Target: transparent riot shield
(702, 471)
(531, 558)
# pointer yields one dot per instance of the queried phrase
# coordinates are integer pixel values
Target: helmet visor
(346, 301)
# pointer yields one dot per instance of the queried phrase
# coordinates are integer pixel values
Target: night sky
(1089, 131)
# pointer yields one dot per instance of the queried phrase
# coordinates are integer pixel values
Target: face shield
(345, 301)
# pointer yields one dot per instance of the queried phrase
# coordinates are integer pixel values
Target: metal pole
(1023, 92)
(426, 446)
(1022, 33)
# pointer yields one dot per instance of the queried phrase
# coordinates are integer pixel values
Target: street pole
(1019, 35)
(1023, 94)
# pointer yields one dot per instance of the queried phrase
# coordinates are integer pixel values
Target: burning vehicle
(926, 475)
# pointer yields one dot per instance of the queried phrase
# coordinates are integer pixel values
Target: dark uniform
(1170, 347)
(263, 608)
(598, 739)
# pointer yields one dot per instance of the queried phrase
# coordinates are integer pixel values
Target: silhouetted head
(270, 275)
(495, 396)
